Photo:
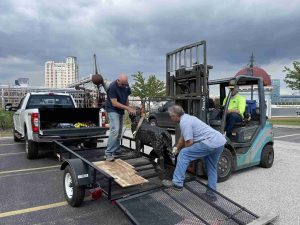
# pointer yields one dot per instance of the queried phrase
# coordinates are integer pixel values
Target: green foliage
(6, 120)
(153, 87)
(292, 78)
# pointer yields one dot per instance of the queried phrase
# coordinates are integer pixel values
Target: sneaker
(209, 197)
(109, 158)
(119, 153)
(170, 184)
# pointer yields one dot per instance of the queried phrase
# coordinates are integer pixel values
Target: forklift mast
(187, 79)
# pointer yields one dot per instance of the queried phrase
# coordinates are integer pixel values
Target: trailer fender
(80, 169)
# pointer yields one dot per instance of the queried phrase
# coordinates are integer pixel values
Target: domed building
(256, 71)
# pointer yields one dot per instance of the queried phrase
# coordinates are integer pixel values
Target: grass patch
(6, 133)
(292, 121)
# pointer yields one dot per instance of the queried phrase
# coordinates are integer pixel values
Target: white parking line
(11, 144)
(12, 153)
(290, 135)
(30, 169)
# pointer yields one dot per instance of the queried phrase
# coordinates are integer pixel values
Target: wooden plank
(123, 173)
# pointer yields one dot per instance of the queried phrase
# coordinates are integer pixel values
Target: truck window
(49, 101)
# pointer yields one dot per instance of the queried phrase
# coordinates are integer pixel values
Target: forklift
(187, 83)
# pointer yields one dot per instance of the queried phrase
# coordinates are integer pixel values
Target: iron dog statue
(158, 138)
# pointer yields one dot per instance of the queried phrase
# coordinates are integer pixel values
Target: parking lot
(32, 190)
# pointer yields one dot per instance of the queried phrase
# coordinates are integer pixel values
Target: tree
(150, 88)
(292, 78)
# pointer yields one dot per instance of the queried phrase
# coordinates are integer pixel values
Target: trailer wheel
(90, 144)
(73, 194)
(31, 148)
(267, 156)
(225, 165)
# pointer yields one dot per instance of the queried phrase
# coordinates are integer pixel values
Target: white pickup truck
(44, 117)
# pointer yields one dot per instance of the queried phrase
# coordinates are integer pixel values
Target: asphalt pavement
(32, 190)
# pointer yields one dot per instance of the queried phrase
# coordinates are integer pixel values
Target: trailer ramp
(189, 206)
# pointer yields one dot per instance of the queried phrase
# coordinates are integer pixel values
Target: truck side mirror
(160, 109)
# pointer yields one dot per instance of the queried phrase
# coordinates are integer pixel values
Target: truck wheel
(16, 138)
(73, 194)
(90, 144)
(31, 148)
(153, 122)
(267, 156)
(225, 165)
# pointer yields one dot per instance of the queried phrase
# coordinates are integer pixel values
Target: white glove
(175, 151)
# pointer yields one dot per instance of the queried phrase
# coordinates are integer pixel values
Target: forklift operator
(236, 109)
(197, 140)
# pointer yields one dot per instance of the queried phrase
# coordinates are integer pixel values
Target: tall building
(275, 96)
(59, 75)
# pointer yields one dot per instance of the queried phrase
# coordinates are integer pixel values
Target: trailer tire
(267, 156)
(90, 144)
(73, 194)
(31, 148)
(225, 165)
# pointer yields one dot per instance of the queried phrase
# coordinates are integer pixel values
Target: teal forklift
(187, 83)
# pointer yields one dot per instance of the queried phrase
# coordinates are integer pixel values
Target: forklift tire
(225, 165)
(31, 148)
(73, 194)
(90, 144)
(267, 156)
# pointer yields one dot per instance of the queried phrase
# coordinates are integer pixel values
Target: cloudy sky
(134, 35)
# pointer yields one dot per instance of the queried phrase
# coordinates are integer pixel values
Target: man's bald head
(123, 78)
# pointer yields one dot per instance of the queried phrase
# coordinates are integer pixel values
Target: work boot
(170, 184)
(109, 158)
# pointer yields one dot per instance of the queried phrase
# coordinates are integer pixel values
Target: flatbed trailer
(149, 203)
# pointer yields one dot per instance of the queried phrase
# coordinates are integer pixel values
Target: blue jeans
(116, 125)
(231, 119)
(196, 151)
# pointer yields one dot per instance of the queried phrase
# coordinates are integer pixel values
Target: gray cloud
(135, 35)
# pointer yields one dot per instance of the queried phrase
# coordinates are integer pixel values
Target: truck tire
(31, 148)
(90, 144)
(16, 138)
(267, 156)
(73, 194)
(153, 122)
(225, 165)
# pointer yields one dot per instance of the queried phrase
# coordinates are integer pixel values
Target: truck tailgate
(190, 206)
(75, 132)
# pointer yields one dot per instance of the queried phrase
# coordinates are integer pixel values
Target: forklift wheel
(267, 156)
(225, 165)
(73, 194)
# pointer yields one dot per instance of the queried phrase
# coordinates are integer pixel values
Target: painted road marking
(12, 153)
(33, 209)
(29, 173)
(11, 144)
(30, 169)
(290, 135)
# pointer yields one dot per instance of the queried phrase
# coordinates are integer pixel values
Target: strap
(138, 126)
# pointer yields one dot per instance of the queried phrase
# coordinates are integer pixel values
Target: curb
(286, 126)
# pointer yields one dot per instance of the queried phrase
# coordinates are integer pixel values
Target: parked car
(161, 116)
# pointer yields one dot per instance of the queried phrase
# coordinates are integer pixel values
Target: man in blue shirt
(197, 140)
(117, 101)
